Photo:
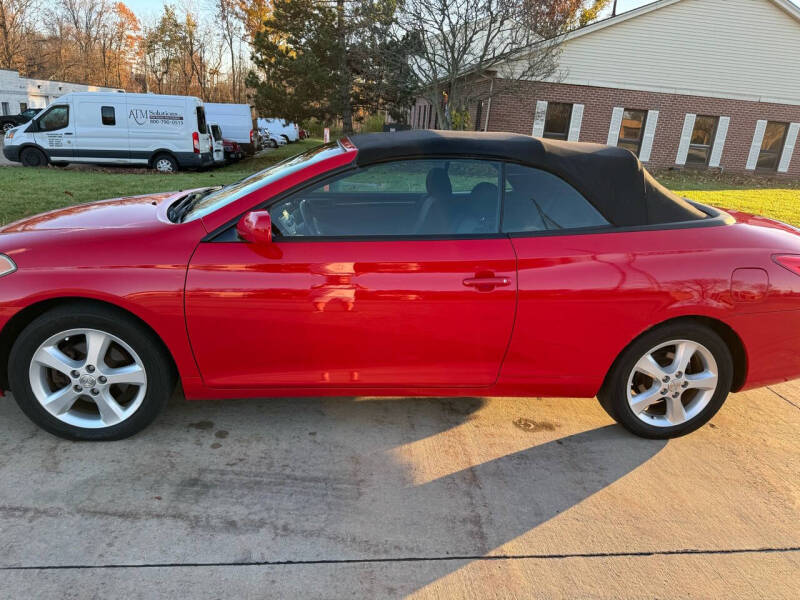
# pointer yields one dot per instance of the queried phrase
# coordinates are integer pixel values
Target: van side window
(107, 115)
(57, 117)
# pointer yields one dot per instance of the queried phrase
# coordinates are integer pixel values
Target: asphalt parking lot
(423, 498)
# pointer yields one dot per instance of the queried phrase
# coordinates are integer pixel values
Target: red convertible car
(410, 263)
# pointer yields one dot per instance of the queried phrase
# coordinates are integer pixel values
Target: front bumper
(11, 152)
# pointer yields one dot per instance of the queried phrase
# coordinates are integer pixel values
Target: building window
(107, 115)
(23, 106)
(702, 140)
(772, 145)
(5, 108)
(631, 130)
(556, 121)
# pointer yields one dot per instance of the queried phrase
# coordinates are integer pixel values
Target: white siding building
(18, 93)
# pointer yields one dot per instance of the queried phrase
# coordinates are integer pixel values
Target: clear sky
(152, 7)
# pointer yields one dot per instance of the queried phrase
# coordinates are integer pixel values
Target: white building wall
(747, 49)
(36, 93)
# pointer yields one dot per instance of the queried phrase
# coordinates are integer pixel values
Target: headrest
(438, 183)
(484, 191)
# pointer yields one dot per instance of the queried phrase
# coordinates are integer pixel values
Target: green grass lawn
(25, 192)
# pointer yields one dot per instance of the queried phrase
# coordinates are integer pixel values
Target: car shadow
(321, 479)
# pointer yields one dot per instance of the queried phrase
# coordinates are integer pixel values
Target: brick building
(682, 83)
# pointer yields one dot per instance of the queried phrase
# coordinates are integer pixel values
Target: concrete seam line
(783, 397)
(345, 561)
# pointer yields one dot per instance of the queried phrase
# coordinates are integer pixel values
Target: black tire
(33, 157)
(165, 163)
(613, 396)
(157, 365)
(273, 144)
(7, 126)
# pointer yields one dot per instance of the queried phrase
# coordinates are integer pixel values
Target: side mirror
(255, 227)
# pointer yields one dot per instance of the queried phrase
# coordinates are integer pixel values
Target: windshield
(230, 193)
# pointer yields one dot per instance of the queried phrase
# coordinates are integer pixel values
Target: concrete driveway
(422, 498)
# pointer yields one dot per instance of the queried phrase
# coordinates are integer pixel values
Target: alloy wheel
(88, 378)
(672, 383)
(164, 165)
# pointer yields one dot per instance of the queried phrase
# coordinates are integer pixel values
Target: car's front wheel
(669, 381)
(87, 372)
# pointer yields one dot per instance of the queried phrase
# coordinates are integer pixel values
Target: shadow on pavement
(316, 479)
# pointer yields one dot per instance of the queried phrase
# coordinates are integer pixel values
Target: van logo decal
(145, 116)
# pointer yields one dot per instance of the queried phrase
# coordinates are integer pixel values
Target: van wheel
(164, 163)
(33, 157)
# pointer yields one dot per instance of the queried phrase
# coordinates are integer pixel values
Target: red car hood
(134, 211)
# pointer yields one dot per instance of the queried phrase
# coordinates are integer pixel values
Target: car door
(356, 290)
(581, 290)
(55, 132)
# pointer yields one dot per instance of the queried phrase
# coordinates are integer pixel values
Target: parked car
(233, 151)
(8, 122)
(167, 133)
(265, 140)
(410, 263)
(217, 143)
(238, 123)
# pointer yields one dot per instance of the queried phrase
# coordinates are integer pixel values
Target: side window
(55, 118)
(107, 115)
(405, 198)
(536, 200)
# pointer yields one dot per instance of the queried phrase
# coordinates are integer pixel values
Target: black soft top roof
(611, 178)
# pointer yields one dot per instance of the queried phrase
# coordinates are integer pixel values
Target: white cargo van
(278, 127)
(237, 122)
(166, 133)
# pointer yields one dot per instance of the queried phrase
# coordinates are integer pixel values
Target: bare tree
(88, 20)
(15, 20)
(230, 25)
(459, 46)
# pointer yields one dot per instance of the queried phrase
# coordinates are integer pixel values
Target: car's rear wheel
(33, 157)
(670, 381)
(164, 163)
(8, 126)
(85, 372)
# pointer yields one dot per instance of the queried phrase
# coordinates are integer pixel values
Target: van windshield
(230, 193)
